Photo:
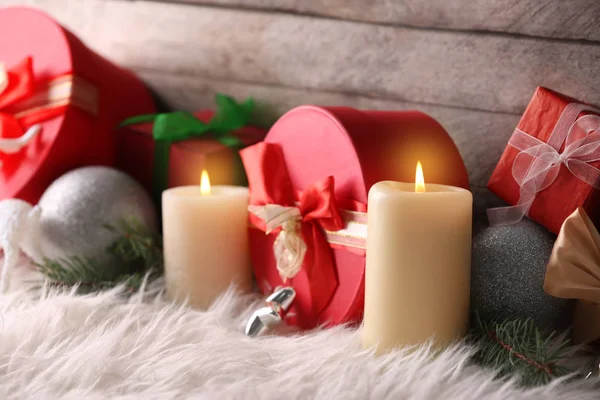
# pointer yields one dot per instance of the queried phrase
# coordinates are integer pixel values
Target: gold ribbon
(573, 272)
(64, 90)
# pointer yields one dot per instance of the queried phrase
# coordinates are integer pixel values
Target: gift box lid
(361, 148)
(34, 33)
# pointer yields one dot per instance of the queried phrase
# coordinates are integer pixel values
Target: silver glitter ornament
(76, 207)
(507, 276)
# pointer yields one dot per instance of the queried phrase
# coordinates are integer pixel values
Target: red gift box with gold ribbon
(60, 103)
(309, 182)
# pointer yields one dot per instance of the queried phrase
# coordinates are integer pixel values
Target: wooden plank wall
(472, 65)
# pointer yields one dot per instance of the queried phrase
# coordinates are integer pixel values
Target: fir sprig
(518, 348)
(136, 244)
(137, 249)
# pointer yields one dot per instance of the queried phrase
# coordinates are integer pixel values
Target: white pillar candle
(418, 264)
(205, 242)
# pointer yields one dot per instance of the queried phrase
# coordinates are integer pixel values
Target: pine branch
(517, 347)
(81, 273)
(137, 244)
(137, 248)
(72, 271)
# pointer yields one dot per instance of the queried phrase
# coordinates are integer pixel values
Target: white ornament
(69, 219)
(19, 230)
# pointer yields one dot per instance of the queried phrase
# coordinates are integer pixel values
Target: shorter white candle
(205, 233)
(418, 264)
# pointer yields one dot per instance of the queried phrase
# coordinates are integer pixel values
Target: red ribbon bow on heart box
(25, 102)
(302, 249)
(15, 85)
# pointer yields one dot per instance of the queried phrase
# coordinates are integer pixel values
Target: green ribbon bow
(181, 125)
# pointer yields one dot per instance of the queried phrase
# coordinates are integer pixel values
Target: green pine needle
(72, 271)
(518, 348)
(137, 245)
(137, 248)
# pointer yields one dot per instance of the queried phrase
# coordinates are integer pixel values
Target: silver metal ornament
(75, 209)
(278, 304)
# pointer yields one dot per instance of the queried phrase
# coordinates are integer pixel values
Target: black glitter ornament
(507, 276)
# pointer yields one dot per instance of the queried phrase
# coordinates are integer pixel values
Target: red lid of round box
(81, 129)
(359, 149)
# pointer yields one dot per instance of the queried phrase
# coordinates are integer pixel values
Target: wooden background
(473, 65)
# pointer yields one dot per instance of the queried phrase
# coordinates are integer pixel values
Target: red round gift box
(359, 149)
(76, 137)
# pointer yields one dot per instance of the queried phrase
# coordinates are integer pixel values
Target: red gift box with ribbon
(309, 182)
(551, 162)
(60, 103)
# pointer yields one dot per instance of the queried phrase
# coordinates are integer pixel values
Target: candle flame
(205, 183)
(420, 180)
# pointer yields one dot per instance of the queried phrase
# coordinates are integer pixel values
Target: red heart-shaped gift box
(77, 96)
(358, 149)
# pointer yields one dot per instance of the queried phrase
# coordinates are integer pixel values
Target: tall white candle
(418, 264)
(205, 241)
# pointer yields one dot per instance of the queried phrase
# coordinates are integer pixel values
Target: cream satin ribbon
(573, 272)
(10, 146)
(67, 89)
(354, 233)
(289, 246)
(3, 78)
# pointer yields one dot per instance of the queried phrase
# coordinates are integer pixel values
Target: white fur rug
(62, 346)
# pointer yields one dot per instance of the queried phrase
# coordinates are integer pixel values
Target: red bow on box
(25, 101)
(15, 85)
(301, 247)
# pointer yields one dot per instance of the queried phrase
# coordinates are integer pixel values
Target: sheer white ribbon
(289, 246)
(537, 165)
